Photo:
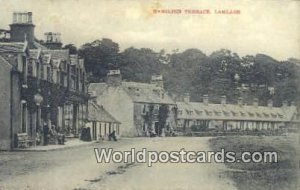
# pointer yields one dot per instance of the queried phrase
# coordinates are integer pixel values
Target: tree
(140, 64)
(163, 114)
(72, 48)
(100, 56)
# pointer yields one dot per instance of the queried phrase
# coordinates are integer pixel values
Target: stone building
(138, 106)
(40, 85)
(232, 117)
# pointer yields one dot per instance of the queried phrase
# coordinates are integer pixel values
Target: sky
(263, 26)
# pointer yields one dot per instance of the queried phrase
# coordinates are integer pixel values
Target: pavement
(70, 143)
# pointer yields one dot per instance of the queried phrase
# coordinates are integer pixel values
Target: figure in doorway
(112, 136)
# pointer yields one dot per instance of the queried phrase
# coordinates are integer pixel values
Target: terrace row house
(142, 108)
(40, 83)
(232, 117)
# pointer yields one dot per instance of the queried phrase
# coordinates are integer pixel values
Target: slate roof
(61, 54)
(138, 92)
(98, 113)
(201, 111)
(146, 93)
(12, 47)
(4, 62)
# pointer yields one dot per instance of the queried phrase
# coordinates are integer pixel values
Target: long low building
(238, 116)
(101, 122)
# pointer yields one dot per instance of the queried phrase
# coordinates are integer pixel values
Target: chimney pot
(284, 104)
(293, 103)
(270, 103)
(186, 97)
(255, 102)
(223, 100)
(205, 99)
(240, 101)
(114, 78)
(157, 80)
(21, 26)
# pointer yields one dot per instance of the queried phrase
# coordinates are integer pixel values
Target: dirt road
(77, 169)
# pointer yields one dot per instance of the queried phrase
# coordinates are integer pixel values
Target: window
(144, 109)
(57, 77)
(62, 79)
(48, 73)
(31, 70)
(73, 83)
(24, 69)
(66, 81)
(42, 75)
(83, 81)
(23, 116)
(156, 110)
(37, 66)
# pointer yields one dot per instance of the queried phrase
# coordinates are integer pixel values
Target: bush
(199, 128)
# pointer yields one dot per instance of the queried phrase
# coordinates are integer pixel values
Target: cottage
(142, 108)
(101, 122)
(228, 117)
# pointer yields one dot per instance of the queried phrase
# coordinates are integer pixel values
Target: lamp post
(38, 99)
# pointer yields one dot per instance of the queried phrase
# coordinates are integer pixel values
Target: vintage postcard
(149, 94)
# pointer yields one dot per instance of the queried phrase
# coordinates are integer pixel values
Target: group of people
(49, 135)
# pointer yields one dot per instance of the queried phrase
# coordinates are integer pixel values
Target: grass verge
(283, 175)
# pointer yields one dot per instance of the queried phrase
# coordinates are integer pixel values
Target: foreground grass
(263, 176)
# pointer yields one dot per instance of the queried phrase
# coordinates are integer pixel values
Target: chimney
(205, 99)
(223, 100)
(53, 40)
(293, 103)
(114, 78)
(270, 103)
(284, 104)
(240, 101)
(22, 28)
(157, 80)
(186, 97)
(255, 102)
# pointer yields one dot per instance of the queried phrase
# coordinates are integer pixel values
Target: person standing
(46, 133)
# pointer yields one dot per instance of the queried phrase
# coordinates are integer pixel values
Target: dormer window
(198, 112)
(280, 115)
(273, 115)
(217, 113)
(234, 113)
(208, 112)
(226, 113)
(179, 112)
(250, 114)
(243, 113)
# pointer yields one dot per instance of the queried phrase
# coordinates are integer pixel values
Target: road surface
(77, 168)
